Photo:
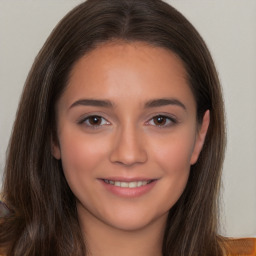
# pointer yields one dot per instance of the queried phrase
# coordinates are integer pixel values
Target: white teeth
(124, 184)
(132, 184)
(139, 183)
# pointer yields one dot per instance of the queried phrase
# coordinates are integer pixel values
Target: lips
(131, 184)
(128, 187)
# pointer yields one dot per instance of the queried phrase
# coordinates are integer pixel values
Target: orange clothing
(241, 247)
(235, 247)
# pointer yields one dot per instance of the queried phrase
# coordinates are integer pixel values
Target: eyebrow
(164, 102)
(149, 104)
(92, 102)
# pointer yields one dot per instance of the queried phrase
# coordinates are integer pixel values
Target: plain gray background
(228, 28)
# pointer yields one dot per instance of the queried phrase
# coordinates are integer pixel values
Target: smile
(132, 184)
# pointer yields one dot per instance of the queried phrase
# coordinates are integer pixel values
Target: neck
(104, 240)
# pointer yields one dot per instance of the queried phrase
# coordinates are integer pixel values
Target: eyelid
(88, 114)
(172, 120)
(86, 117)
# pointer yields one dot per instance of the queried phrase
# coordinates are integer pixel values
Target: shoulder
(241, 247)
(3, 209)
(2, 252)
(3, 212)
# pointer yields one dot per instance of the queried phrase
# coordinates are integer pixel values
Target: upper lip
(128, 179)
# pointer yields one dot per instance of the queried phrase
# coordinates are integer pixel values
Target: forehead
(129, 54)
(122, 70)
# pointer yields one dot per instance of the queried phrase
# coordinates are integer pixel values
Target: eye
(162, 121)
(94, 121)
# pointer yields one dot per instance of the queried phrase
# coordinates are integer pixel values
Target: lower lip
(129, 192)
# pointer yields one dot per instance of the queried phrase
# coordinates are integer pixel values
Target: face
(128, 134)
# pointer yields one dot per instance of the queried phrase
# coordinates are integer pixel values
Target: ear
(55, 149)
(200, 138)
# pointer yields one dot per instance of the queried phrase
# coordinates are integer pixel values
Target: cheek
(174, 153)
(173, 157)
(81, 156)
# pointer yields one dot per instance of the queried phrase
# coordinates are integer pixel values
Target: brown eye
(162, 121)
(94, 121)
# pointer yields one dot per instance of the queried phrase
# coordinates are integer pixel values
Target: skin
(129, 141)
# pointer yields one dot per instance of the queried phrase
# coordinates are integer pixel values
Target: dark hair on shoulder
(43, 218)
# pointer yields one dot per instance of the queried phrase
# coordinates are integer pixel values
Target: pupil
(95, 120)
(160, 120)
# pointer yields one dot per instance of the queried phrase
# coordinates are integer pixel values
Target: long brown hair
(43, 218)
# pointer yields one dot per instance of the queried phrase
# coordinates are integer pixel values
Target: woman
(119, 139)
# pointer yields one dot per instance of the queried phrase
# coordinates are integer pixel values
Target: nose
(128, 147)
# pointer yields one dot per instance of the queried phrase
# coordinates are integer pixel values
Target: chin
(134, 221)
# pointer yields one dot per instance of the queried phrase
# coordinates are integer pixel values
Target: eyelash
(170, 121)
(90, 118)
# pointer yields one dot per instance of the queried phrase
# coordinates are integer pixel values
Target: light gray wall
(229, 29)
